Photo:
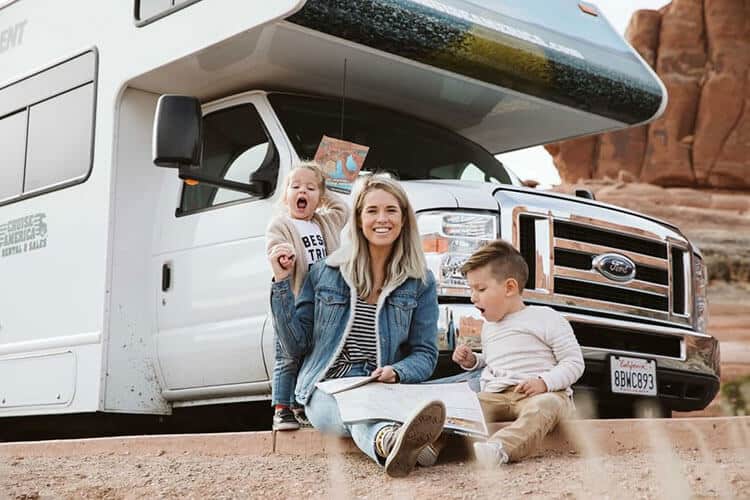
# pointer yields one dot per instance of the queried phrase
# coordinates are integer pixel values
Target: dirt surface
(631, 474)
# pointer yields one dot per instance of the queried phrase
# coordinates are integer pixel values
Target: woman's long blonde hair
(407, 258)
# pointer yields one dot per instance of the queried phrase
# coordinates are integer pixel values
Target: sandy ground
(632, 474)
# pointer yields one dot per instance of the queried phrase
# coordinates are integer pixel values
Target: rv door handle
(166, 277)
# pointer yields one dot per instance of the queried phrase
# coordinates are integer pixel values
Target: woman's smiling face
(302, 194)
(381, 219)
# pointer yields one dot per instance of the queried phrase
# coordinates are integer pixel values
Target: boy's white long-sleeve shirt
(533, 342)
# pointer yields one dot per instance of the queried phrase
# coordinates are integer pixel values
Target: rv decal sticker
(23, 235)
(12, 36)
(501, 27)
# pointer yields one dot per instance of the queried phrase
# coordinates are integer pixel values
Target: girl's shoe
(283, 420)
(300, 416)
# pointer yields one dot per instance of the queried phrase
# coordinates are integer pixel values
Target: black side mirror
(585, 193)
(178, 134)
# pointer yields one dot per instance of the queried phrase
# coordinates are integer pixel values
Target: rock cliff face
(701, 51)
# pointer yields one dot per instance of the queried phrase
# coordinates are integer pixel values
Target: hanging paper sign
(341, 162)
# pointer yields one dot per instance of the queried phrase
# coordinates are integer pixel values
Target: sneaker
(283, 420)
(300, 416)
(404, 444)
(429, 454)
(490, 454)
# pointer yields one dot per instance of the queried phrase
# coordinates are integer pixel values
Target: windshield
(403, 146)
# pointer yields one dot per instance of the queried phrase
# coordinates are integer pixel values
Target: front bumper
(687, 362)
(678, 390)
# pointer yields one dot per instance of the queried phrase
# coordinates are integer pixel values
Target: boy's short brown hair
(504, 261)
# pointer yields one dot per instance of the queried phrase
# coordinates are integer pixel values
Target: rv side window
(151, 10)
(59, 140)
(13, 146)
(46, 129)
(236, 147)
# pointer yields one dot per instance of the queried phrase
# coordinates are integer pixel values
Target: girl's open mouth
(301, 203)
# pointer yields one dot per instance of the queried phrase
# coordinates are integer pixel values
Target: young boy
(529, 359)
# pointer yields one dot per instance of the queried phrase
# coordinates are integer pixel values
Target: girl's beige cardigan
(330, 216)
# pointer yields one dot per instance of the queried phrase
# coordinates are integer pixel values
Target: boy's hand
(531, 387)
(464, 356)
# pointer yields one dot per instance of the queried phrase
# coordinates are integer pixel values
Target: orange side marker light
(588, 9)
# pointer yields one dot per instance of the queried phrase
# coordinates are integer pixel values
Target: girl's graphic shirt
(312, 240)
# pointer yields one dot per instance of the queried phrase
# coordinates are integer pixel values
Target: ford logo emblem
(615, 267)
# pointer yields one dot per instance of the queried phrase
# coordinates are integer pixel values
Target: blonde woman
(369, 308)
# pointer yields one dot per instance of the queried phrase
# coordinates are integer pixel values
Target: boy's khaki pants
(534, 417)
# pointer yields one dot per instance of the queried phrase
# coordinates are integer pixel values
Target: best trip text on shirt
(312, 240)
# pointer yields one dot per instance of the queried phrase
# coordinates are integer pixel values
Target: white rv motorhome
(124, 289)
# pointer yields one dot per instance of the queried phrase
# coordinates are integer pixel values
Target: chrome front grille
(561, 252)
(572, 232)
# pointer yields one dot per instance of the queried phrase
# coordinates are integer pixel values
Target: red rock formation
(722, 139)
(625, 150)
(701, 50)
(577, 157)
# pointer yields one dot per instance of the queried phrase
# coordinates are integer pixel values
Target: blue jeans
(285, 371)
(471, 377)
(323, 413)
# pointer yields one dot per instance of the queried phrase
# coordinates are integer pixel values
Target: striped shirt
(360, 344)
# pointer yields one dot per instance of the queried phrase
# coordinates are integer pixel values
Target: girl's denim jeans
(285, 371)
(472, 378)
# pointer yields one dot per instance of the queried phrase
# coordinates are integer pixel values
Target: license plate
(633, 376)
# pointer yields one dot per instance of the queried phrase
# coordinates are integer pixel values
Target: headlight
(448, 239)
(700, 286)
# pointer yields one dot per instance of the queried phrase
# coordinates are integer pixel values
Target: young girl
(309, 227)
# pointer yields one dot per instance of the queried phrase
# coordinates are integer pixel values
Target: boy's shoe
(402, 444)
(300, 416)
(490, 454)
(283, 420)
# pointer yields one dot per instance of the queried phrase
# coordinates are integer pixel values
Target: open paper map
(341, 162)
(378, 401)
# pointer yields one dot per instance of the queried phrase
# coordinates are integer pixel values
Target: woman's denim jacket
(314, 325)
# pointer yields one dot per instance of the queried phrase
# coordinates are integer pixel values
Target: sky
(536, 163)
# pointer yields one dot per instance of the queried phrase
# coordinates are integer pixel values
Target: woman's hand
(385, 374)
(282, 260)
